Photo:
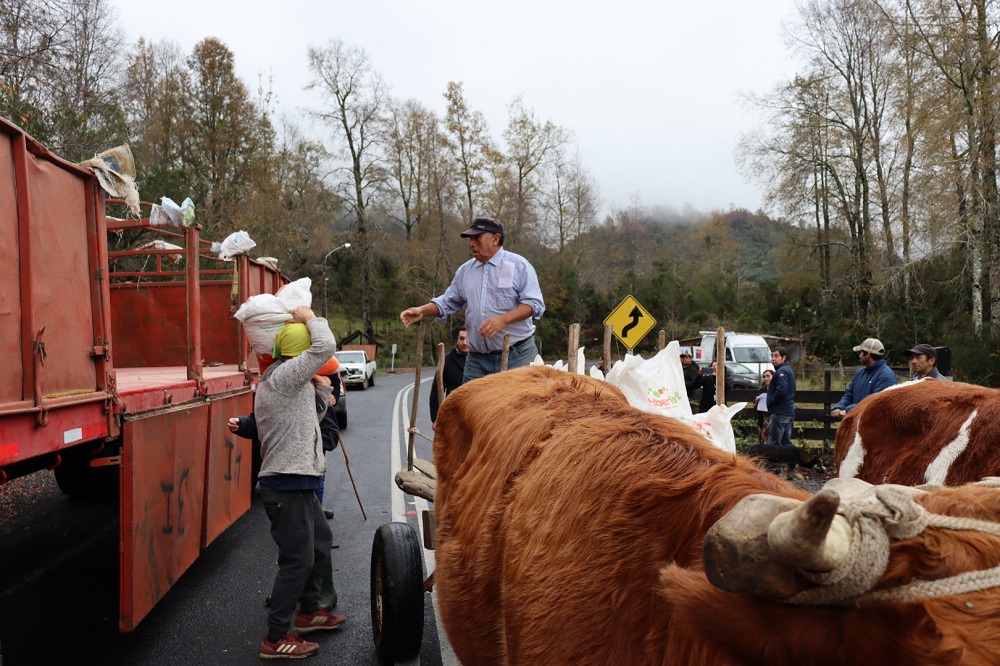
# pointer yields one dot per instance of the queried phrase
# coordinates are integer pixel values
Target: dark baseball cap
(924, 348)
(484, 225)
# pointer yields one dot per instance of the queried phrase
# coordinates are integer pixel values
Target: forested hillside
(878, 162)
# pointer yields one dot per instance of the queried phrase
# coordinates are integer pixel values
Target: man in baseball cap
(873, 376)
(692, 373)
(923, 360)
(500, 293)
(484, 225)
(871, 345)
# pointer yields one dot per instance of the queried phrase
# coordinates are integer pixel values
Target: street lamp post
(326, 279)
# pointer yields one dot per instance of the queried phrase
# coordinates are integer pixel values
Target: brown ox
(571, 529)
(932, 431)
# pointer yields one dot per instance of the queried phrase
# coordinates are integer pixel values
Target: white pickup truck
(357, 369)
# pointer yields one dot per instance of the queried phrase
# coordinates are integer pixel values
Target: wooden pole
(661, 340)
(608, 328)
(574, 345)
(720, 365)
(439, 378)
(416, 396)
(506, 352)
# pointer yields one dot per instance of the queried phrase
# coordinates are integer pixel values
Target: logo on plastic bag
(663, 397)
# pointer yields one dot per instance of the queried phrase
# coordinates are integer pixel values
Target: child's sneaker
(318, 619)
(289, 646)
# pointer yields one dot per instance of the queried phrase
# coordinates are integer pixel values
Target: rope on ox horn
(892, 513)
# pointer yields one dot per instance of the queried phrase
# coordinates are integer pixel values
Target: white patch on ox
(937, 471)
(855, 456)
(903, 384)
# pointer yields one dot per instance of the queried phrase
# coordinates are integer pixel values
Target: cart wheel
(397, 593)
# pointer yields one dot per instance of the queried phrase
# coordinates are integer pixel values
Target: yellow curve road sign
(630, 322)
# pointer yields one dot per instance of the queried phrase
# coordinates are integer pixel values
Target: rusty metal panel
(62, 277)
(154, 330)
(154, 333)
(228, 481)
(162, 504)
(11, 370)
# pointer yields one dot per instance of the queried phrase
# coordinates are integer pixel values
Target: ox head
(831, 548)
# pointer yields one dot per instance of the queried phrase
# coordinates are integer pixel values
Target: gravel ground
(812, 479)
(20, 494)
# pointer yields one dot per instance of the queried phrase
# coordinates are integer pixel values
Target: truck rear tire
(397, 593)
(77, 479)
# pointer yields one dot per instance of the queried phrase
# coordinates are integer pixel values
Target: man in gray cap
(923, 360)
(500, 293)
(873, 376)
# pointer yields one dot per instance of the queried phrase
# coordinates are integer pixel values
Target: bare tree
(470, 142)
(357, 97)
(532, 146)
(60, 73)
(409, 130)
(569, 203)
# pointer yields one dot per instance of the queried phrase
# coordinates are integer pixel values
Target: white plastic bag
(655, 386)
(296, 293)
(716, 425)
(234, 245)
(263, 316)
(166, 213)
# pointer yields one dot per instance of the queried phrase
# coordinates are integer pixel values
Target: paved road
(59, 563)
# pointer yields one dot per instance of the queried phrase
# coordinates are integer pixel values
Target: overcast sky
(650, 88)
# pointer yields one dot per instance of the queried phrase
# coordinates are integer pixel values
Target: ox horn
(812, 536)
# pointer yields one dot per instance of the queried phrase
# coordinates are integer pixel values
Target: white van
(750, 350)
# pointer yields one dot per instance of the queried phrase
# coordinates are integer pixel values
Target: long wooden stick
(416, 396)
(506, 352)
(439, 375)
(607, 348)
(720, 366)
(347, 461)
(573, 347)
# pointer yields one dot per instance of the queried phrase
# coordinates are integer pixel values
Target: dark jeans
(304, 540)
(480, 365)
(781, 429)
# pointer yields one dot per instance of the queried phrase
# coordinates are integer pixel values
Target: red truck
(120, 369)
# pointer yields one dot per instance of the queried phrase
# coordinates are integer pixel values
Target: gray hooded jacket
(285, 406)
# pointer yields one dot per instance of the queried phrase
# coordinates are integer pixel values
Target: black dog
(787, 456)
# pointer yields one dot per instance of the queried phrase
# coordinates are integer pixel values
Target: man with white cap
(923, 360)
(873, 376)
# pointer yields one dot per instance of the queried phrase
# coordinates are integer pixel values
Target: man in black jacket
(454, 367)
(692, 373)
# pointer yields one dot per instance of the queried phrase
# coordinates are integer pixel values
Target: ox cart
(397, 581)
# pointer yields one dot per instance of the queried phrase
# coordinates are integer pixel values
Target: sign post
(630, 322)
(392, 367)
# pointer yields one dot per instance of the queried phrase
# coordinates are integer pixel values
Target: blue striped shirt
(488, 289)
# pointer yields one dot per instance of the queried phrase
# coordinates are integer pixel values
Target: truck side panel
(228, 468)
(162, 507)
(60, 266)
(11, 370)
